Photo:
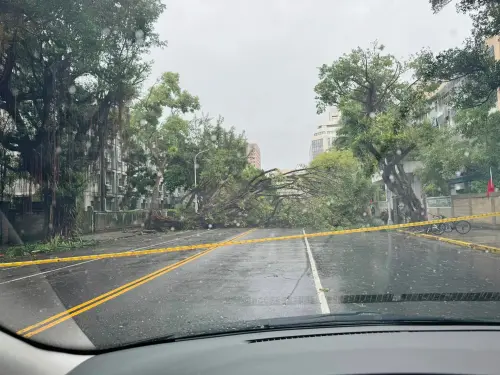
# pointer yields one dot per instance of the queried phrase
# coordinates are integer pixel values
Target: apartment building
(441, 113)
(253, 154)
(115, 181)
(325, 134)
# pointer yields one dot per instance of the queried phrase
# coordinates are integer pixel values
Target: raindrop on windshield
(139, 34)
(143, 122)
(106, 31)
(213, 137)
(372, 115)
(58, 150)
(72, 89)
(118, 5)
(466, 153)
(398, 152)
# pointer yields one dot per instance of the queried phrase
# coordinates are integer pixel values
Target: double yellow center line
(90, 304)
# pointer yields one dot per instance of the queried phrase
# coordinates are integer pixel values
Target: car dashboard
(373, 349)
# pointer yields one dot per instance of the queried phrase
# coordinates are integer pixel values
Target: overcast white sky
(255, 61)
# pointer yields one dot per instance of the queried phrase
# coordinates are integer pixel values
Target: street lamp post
(196, 194)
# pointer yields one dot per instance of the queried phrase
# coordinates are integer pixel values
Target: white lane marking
(92, 260)
(325, 309)
(44, 272)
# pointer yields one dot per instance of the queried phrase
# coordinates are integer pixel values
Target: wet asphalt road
(241, 283)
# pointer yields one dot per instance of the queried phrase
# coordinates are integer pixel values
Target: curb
(470, 245)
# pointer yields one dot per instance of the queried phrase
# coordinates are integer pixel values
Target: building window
(317, 145)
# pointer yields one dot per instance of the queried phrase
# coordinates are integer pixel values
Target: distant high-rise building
(325, 134)
(253, 153)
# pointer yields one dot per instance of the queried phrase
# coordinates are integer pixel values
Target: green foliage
(66, 69)
(444, 159)
(470, 148)
(382, 114)
(344, 190)
(55, 244)
(156, 140)
(473, 63)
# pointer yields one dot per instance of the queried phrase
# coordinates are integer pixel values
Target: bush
(54, 245)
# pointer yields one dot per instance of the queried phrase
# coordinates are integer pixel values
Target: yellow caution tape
(243, 242)
(471, 245)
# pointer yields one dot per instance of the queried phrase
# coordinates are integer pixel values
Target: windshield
(176, 167)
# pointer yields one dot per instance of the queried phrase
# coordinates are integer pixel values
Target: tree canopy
(475, 63)
(383, 115)
(67, 70)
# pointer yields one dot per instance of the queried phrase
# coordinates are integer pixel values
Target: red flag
(491, 186)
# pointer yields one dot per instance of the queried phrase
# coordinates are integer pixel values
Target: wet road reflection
(378, 263)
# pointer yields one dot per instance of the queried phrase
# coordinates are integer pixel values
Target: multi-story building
(442, 114)
(325, 134)
(116, 179)
(253, 154)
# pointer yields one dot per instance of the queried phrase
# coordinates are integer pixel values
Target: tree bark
(397, 182)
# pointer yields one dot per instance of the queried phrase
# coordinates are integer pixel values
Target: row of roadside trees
(71, 77)
(71, 81)
(164, 135)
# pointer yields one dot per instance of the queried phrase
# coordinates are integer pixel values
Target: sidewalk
(111, 236)
(490, 237)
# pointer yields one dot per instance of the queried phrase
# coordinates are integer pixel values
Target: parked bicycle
(461, 226)
(434, 228)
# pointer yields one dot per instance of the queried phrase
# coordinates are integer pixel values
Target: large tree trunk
(60, 220)
(154, 201)
(155, 204)
(397, 182)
